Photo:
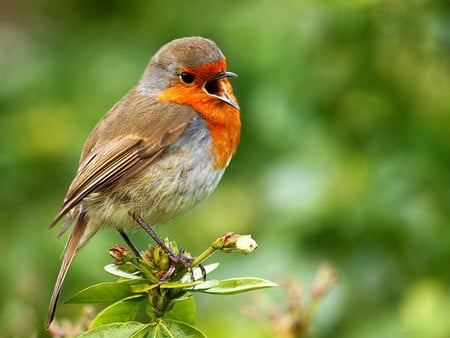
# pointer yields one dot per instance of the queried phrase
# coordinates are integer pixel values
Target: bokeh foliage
(344, 156)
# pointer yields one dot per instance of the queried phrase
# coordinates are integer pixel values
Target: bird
(157, 152)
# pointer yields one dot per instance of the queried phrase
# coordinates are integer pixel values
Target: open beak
(221, 75)
(219, 89)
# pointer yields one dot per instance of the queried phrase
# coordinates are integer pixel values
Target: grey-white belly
(180, 178)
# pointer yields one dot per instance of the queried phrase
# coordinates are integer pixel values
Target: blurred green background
(344, 156)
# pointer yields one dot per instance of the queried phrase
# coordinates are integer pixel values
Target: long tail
(73, 244)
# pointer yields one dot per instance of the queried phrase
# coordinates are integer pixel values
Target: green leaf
(141, 288)
(122, 311)
(237, 285)
(126, 270)
(106, 292)
(169, 328)
(117, 330)
(197, 272)
(179, 285)
(205, 285)
(183, 310)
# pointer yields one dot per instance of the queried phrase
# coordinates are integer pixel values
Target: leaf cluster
(169, 305)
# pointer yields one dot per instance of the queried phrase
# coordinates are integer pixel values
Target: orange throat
(222, 120)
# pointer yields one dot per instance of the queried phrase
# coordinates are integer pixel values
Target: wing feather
(119, 159)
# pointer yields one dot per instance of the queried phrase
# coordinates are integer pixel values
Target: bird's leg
(174, 259)
(139, 220)
(130, 243)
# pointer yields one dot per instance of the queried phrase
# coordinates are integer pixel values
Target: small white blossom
(246, 244)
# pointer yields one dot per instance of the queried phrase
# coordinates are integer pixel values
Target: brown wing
(148, 127)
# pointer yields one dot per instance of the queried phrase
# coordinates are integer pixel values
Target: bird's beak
(221, 89)
(221, 75)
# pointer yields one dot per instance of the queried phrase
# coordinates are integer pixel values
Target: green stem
(143, 268)
(218, 244)
(312, 309)
(203, 256)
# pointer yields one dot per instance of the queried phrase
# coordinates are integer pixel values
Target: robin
(158, 152)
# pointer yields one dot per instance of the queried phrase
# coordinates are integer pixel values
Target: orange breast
(222, 120)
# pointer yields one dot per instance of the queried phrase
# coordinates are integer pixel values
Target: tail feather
(73, 244)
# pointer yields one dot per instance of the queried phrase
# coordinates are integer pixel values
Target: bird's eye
(187, 77)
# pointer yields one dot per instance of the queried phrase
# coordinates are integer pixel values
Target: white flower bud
(246, 244)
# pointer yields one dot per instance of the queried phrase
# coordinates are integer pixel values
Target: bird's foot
(176, 260)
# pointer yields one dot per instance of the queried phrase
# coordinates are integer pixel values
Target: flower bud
(147, 257)
(219, 242)
(230, 242)
(164, 262)
(161, 259)
(246, 244)
(326, 278)
(120, 254)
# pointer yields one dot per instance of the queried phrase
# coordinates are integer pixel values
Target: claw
(202, 268)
